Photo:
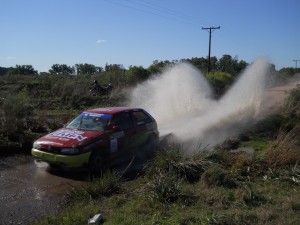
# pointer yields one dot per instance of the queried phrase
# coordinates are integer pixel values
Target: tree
(3, 70)
(230, 65)
(200, 63)
(220, 81)
(114, 67)
(87, 69)
(60, 69)
(22, 70)
(137, 73)
(159, 66)
(289, 71)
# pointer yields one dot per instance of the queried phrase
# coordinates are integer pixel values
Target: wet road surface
(29, 190)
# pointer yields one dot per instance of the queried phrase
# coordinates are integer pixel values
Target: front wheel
(97, 163)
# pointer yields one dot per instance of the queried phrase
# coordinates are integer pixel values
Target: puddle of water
(28, 190)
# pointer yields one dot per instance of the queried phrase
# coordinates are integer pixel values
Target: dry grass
(285, 149)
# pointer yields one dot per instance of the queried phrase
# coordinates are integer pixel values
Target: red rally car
(96, 137)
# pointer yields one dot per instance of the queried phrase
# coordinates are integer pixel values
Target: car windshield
(90, 121)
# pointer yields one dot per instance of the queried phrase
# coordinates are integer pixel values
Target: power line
(296, 60)
(209, 46)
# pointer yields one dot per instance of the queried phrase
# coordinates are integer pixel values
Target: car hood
(69, 137)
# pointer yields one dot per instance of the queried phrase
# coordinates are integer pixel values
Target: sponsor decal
(113, 145)
(68, 134)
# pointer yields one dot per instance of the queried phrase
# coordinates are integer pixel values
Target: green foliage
(61, 69)
(289, 71)
(15, 109)
(172, 160)
(136, 74)
(114, 68)
(165, 187)
(22, 70)
(216, 175)
(230, 65)
(220, 81)
(86, 68)
(159, 67)
(252, 197)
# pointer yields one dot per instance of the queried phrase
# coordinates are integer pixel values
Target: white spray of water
(181, 101)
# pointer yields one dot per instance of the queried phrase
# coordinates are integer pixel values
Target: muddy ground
(29, 190)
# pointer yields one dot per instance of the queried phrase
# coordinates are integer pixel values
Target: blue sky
(137, 32)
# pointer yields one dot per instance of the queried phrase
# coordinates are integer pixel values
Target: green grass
(163, 195)
(257, 141)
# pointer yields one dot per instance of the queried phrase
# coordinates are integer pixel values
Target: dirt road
(275, 96)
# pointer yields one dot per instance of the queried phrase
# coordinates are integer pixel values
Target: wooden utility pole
(296, 60)
(209, 47)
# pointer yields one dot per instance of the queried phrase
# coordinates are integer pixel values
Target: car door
(122, 133)
(143, 125)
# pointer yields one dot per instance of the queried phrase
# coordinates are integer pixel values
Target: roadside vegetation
(212, 186)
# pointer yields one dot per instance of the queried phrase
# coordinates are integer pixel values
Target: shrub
(15, 110)
(216, 175)
(165, 187)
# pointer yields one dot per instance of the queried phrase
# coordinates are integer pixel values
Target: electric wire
(169, 14)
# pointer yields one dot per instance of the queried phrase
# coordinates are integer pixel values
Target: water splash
(181, 101)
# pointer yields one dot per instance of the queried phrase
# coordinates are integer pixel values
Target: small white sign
(113, 145)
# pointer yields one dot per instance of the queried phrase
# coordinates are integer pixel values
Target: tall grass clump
(165, 187)
(292, 105)
(14, 114)
(172, 159)
(108, 184)
(216, 175)
(285, 149)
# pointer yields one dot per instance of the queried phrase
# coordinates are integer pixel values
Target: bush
(16, 109)
(217, 176)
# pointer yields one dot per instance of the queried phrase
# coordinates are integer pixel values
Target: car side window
(122, 120)
(141, 118)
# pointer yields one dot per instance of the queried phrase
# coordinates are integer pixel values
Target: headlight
(69, 150)
(36, 145)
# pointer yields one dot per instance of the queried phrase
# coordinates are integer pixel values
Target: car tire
(151, 146)
(96, 162)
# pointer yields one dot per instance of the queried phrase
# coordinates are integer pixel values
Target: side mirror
(116, 128)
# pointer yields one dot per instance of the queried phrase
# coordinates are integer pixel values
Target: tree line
(226, 63)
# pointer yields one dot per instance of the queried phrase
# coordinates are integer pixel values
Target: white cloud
(100, 41)
(10, 57)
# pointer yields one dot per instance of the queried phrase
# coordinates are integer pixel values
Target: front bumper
(65, 161)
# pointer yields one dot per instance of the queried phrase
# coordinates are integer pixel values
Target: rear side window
(122, 120)
(141, 118)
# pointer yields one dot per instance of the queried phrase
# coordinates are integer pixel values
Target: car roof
(111, 110)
